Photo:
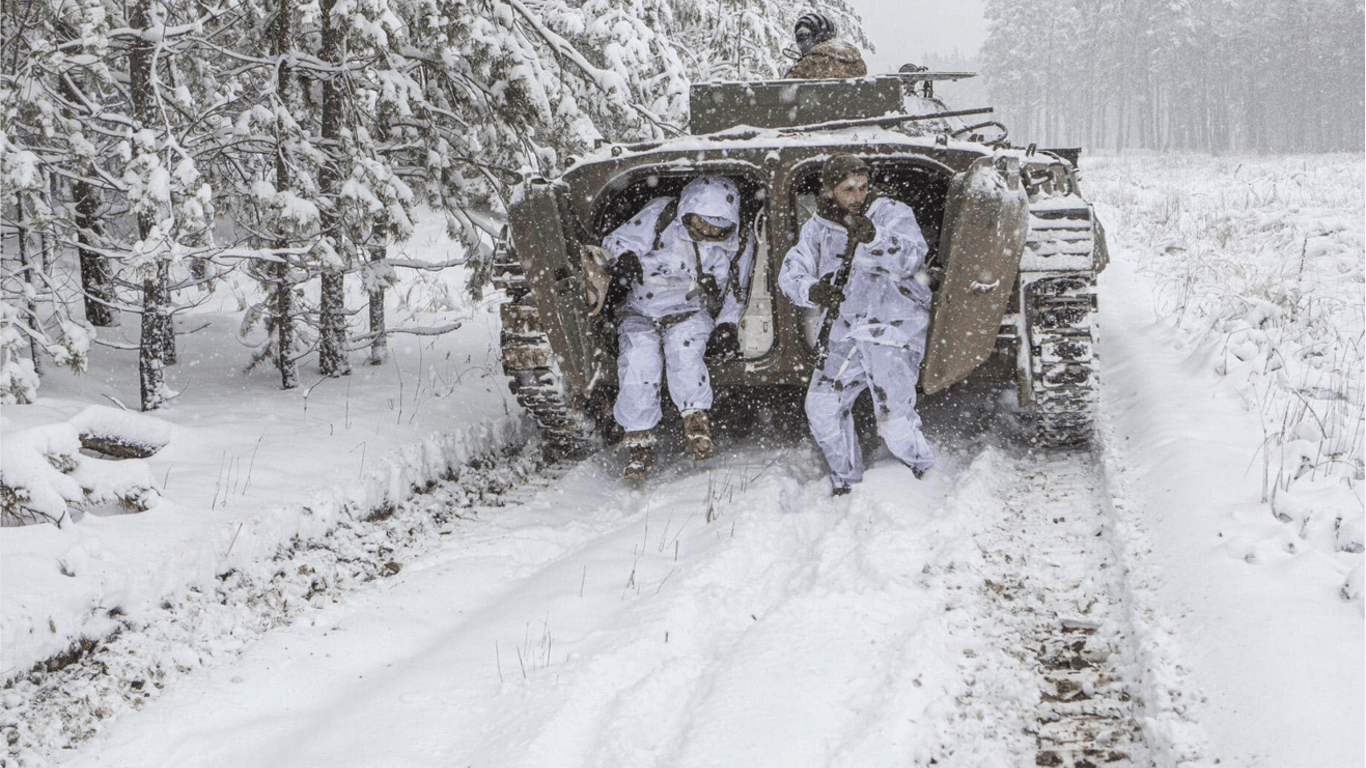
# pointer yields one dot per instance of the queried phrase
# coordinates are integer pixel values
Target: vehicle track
(1003, 574)
(1052, 576)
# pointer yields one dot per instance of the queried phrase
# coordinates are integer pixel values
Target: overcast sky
(904, 30)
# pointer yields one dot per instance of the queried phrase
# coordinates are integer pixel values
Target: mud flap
(541, 227)
(986, 222)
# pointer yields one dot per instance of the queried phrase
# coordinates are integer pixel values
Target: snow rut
(975, 618)
(731, 614)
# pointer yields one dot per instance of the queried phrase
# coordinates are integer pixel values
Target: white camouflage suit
(664, 324)
(877, 341)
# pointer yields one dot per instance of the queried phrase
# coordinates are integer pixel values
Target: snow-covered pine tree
(512, 87)
(111, 108)
(333, 251)
(41, 143)
(148, 192)
(166, 139)
(96, 277)
(266, 177)
(281, 284)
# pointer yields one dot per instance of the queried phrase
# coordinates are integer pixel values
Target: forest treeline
(1195, 75)
(156, 150)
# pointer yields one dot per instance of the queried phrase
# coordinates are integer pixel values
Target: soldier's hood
(714, 198)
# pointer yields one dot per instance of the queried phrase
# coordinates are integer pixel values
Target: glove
(936, 277)
(626, 270)
(825, 294)
(861, 229)
(931, 277)
(724, 343)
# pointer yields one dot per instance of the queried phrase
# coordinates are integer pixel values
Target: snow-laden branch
(608, 81)
(426, 266)
(365, 338)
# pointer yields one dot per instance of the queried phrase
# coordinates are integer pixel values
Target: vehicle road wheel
(569, 431)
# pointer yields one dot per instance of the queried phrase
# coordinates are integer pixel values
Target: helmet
(840, 167)
(819, 30)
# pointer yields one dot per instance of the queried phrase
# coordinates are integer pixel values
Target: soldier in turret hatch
(823, 54)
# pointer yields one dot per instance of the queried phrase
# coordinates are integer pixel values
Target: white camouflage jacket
(669, 261)
(888, 300)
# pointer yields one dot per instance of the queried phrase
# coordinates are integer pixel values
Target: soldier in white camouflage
(677, 261)
(882, 313)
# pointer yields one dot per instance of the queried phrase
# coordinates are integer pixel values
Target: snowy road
(1173, 598)
(592, 623)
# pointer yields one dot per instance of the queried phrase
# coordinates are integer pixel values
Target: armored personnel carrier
(1019, 247)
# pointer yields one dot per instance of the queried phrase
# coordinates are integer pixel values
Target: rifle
(841, 279)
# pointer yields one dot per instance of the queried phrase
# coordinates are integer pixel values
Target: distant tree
(1215, 75)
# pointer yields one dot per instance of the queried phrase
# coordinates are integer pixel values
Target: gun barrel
(885, 121)
(915, 77)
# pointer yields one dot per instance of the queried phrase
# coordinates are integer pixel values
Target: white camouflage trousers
(891, 372)
(647, 349)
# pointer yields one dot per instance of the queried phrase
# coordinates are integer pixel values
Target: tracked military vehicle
(1019, 247)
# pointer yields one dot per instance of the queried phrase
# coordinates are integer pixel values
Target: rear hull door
(541, 226)
(986, 222)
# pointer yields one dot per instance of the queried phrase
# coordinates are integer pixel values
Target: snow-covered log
(44, 476)
(121, 434)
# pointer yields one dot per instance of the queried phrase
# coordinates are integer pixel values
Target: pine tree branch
(607, 81)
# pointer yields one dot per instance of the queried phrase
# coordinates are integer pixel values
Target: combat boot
(697, 429)
(641, 445)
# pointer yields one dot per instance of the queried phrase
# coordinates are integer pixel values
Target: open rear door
(541, 227)
(986, 221)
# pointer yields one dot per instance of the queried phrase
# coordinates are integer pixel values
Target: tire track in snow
(793, 630)
(634, 681)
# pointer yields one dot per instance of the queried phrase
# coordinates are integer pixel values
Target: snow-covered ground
(284, 602)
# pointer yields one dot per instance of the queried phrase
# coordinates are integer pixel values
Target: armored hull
(1019, 247)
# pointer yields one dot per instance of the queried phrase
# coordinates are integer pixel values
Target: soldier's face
(850, 193)
(806, 39)
(700, 229)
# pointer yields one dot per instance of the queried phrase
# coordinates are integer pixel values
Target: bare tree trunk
(35, 347)
(379, 342)
(332, 349)
(332, 302)
(96, 280)
(284, 289)
(284, 327)
(154, 344)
